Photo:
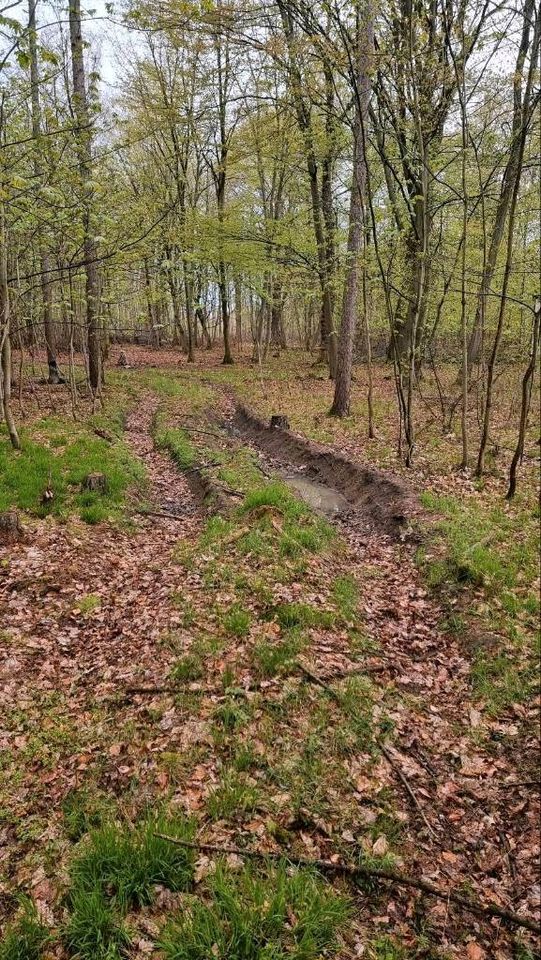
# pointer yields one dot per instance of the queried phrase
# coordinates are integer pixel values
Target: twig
(160, 513)
(381, 873)
(388, 756)
(407, 786)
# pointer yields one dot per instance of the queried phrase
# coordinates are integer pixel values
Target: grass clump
(84, 810)
(345, 594)
(237, 621)
(251, 916)
(187, 668)
(275, 658)
(177, 443)
(25, 938)
(298, 615)
(233, 797)
(95, 929)
(124, 864)
(499, 681)
(230, 716)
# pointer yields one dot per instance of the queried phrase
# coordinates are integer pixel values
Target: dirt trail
(169, 489)
(474, 819)
(84, 610)
(89, 612)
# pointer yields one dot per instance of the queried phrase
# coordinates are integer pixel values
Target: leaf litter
(69, 724)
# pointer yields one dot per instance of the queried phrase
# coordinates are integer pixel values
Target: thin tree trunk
(84, 149)
(5, 342)
(511, 173)
(525, 118)
(527, 384)
(365, 43)
(328, 340)
(46, 286)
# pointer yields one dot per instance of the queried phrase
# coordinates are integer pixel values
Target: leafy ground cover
(153, 682)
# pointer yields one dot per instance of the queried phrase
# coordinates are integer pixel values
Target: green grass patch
(237, 622)
(59, 454)
(84, 810)
(187, 668)
(26, 937)
(95, 929)
(177, 442)
(302, 615)
(275, 658)
(345, 594)
(495, 551)
(233, 797)
(250, 916)
(493, 548)
(124, 864)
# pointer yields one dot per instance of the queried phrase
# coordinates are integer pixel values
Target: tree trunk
(365, 42)
(511, 173)
(46, 286)
(84, 149)
(238, 313)
(328, 340)
(527, 384)
(5, 343)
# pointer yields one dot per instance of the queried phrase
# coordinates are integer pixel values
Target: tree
(362, 57)
(83, 135)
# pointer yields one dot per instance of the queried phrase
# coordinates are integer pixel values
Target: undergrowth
(276, 915)
(25, 938)
(58, 454)
(488, 556)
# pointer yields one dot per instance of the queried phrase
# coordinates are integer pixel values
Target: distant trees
(354, 177)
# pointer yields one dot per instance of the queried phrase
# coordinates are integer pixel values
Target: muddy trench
(330, 483)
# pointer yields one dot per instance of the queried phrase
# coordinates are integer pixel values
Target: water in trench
(323, 500)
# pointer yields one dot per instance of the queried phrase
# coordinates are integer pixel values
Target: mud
(323, 500)
(383, 501)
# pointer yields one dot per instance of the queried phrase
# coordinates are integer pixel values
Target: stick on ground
(487, 910)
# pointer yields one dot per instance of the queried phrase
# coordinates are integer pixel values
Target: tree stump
(278, 421)
(95, 483)
(11, 529)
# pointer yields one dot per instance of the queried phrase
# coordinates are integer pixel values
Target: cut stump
(95, 483)
(279, 422)
(11, 528)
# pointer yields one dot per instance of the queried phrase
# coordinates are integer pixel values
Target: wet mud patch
(383, 501)
(322, 499)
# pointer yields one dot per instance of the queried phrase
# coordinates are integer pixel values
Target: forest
(270, 307)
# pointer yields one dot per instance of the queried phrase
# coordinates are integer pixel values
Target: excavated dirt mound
(382, 500)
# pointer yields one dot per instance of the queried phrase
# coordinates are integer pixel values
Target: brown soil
(382, 500)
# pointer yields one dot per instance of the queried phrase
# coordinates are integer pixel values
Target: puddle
(322, 499)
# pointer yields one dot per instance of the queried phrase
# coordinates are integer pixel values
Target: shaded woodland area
(270, 306)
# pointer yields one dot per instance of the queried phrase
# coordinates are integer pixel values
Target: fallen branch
(160, 513)
(313, 677)
(407, 786)
(487, 910)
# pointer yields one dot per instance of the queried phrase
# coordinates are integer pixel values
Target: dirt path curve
(169, 490)
(84, 610)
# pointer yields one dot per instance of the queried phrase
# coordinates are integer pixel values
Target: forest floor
(197, 653)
